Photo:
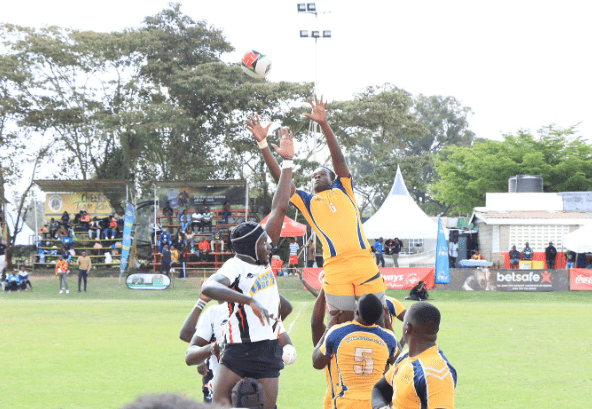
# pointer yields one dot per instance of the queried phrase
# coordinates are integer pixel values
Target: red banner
(396, 278)
(580, 279)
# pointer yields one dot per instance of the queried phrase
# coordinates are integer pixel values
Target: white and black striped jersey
(255, 281)
(210, 327)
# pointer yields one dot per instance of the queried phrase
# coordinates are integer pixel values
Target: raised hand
(318, 110)
(255, 127)
(202, 296)
(260, 312)
(286, 148)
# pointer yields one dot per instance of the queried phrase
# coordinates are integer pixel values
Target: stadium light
(311, 7)
(327, 33)
(303, 33)
(301, 7)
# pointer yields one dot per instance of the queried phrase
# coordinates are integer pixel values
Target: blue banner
(126, 243)
(442, 268)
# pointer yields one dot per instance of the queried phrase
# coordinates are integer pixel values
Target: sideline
(295, 318)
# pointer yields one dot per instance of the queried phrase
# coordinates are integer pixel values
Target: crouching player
(361, 351)
(247, 283)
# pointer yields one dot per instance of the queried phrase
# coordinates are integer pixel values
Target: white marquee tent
(399, 216)
(25, 237)
(580, 240)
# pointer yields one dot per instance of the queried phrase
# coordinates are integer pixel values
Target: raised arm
(188, 327)
(318, 115)
(260, 134)
(281, 198)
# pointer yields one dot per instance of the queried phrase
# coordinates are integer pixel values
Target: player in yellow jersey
(333, 214)
(360, 350)
(422, 377)
(396, 310)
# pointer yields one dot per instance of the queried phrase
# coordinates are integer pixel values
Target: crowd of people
(108, 227)
(244, 337)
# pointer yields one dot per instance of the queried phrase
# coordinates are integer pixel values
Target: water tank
(512, 184)
(529, 183)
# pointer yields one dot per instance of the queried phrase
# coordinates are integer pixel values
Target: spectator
(182, 261)
(94, 227)
(84, 265)
(3, 248)
(293, 255)
(165, 260)
(3, 280)
(388, 247)
(581, 261)
(197, 220)
(62, 232)
(276, 264)
(165, 239)
(24, 278)
(190, 238)
(226, 211)
(179, 238)
(65, 220)
(111, 226)
(550, 254)
(378, 251)
(61, 271)
(570, 259)
(184, 220)
(311, 253)
(168, 212)
(84, 220)
(54, 226)
(217, 239)
(14, 282)
(527, 252)
(514, 257)
(419, 292)
(477, 256)
(207, 219)
(452, 254)
(204, 249)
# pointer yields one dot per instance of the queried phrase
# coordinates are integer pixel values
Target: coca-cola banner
(506, 280)
(580, 279)
(395, 278)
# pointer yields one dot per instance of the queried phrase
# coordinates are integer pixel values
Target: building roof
(530, 217)
(75, 186)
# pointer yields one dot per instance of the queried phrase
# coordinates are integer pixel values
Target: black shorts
(257, 360)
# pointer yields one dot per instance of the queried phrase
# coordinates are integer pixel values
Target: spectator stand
(197, 196)
(73, 196)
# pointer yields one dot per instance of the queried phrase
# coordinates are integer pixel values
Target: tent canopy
(25, 237)
(290, 228)
(580, 240)
(399, 216)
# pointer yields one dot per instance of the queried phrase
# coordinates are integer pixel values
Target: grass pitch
(103, 348)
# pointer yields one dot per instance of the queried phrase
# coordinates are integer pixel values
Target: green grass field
(104, 348)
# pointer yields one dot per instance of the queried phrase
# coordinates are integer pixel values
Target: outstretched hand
(318, 110)
(286, 148)
(255, 127)
(260, 312)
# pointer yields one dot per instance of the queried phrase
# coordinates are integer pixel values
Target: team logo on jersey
(250, 275)
(262, 282)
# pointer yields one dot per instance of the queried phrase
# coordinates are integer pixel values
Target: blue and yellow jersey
(394, 307)
(332, 384)
(334, 215)
(426, 381)
(360, 354)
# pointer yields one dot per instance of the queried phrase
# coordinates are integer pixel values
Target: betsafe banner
(580, 279)
(472, 279)
(126, 242)
(442, 265)
(395, 278)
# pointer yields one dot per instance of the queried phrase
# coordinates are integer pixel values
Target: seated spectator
(204, 249)
(110, 231)
(76, 221)
(62, 232)
(570, 259)
(179, 238)
(24, 278)
(419, 292)
(98, 246)
(581, 260)
(164, 240)
(84, 220)
(94, 227)
(226, 211)
(189, 237)
(276, 264)
(54, 226)
(65, 220)
(184, 220)
(527, 252)
(514, 257)
(196, 220)
(217, 239)
(477, 256)
(207, 219)
(168, 212)
(14, 282)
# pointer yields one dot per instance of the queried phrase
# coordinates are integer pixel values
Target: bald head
(369, 309)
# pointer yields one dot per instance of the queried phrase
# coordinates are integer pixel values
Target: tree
(465, 174)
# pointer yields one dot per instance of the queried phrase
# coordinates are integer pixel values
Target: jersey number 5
(362, 355)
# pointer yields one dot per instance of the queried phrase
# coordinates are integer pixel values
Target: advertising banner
(126, 241)
(395, 278)
(580, 279)
(145, 281)
(95, 204)
(506, 280)
(442, 264)
(210, 193)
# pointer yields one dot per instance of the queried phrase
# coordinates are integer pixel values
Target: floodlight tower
(311, 8)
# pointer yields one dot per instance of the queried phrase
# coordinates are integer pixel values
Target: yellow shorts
(344, 403)
(352, 276)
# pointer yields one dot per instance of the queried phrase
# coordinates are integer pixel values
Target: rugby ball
(255, 64)
(289, 356)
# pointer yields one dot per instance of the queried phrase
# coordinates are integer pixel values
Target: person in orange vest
(204, 249)
(276, 264)
(61, 271)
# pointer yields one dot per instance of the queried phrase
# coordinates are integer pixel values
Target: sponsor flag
(442, 266)
(126, 243)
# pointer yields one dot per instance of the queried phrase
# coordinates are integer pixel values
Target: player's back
(361, 354)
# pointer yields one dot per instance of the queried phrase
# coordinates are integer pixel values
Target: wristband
(262, 144)
(200, 304)
(302, 279)
(287, 164)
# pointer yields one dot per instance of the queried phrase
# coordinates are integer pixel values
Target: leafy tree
(465, 174)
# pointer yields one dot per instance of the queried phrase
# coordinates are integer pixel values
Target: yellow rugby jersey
(423, 382)
(332, 384)
(394, 307)
(360, 354)
(334, 215)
